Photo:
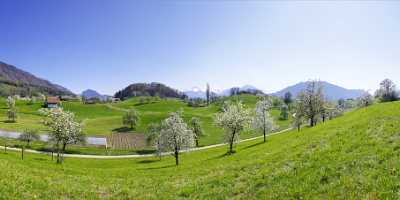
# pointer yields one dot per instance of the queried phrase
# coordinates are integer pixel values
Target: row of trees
(174, 135)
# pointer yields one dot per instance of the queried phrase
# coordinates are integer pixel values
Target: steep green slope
(352, 157)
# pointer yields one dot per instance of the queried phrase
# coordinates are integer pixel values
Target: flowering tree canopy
(195, 124)
(12, 110)
(234, 119)
(175, 135)
(64, 129)
(262, 120)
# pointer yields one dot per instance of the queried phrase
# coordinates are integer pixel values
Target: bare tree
(28, 136)
(387, 91)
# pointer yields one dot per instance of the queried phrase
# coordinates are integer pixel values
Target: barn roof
(53, 100)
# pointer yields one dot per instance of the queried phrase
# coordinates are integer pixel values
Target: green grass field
(355, 156)
(104, 119)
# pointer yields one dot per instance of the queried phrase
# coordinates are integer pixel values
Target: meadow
(105, 119)
(355, 156)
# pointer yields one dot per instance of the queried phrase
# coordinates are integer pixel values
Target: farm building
(52, 102)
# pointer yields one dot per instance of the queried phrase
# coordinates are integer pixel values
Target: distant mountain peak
(331, 91)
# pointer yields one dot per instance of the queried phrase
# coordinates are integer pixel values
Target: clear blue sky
(106, 45)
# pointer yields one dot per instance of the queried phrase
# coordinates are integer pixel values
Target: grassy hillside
(103, 119)
(352, 157)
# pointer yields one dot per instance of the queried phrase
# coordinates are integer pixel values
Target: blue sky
(106, 45)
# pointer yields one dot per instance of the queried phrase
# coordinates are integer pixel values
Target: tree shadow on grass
(161, 167)
(145, 151)
(39, 159)
(148, 161)
(222, 156)
(253, 145)
(8, 121)
(123, 129)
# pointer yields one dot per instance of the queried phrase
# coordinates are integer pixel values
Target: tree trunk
(298, 128)
(312, 121)
(231, 142)
(176, 156)
(22, 152)
(58, 153)
(63, 152)
(5, 147)
(265, 137)
(323, 118)
(197, 142)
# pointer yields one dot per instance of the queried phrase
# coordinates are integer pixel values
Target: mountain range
(198, 93)
(16, 81)
(92, 94)
(331, 91)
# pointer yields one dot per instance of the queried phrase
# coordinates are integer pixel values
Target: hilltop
(16, 81)
(148, 89)
(332, 92)
(351, 157)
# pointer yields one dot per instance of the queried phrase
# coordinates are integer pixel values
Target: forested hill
(15, 81)
(149, 89)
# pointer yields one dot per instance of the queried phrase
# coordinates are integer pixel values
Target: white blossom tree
(234, 119)
(298, 117)
(175, 135)
(311, 102)
(12, 110)
(262, 120)
(195, 125)
(365, 100)
(64, 129)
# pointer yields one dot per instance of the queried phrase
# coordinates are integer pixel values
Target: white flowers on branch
(175, 136)
(65, 129)
(12, 110)
(234, 119)
(262, 120)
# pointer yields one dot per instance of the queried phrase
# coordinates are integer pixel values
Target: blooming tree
(234, 119)
(64, 129)
(262, 120)
(365, 100)
(175, 135)
(195, 125)
(12, 110)
(311, 102)
(298, 117)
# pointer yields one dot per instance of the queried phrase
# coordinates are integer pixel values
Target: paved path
(45, 137)
(138, 156)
